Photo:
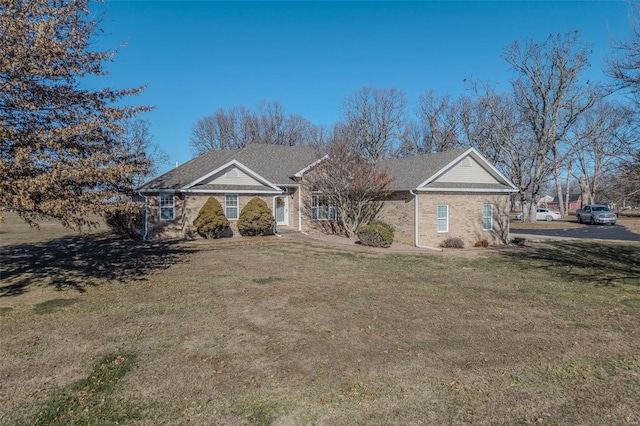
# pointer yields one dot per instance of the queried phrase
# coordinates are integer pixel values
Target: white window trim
(164, 207)
(237, 206)
(331, 210)
(439, 218)
(485, 217)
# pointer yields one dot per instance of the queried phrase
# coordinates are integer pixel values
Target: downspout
(146, 217)
(415, 224)
(275, 205)
(300, 208)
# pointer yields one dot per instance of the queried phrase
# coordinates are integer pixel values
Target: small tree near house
(211, 222)
(356, 186)
(256, 218)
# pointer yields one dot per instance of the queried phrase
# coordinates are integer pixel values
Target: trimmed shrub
(127, 221)
(211, 222)
(389, 227)
(256, 218)
(452, 243)
(482, 243)
(375, 235)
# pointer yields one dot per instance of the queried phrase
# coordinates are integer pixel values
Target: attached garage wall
(465, 217)
(398, 210)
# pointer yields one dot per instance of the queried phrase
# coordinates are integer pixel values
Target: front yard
(283, 331)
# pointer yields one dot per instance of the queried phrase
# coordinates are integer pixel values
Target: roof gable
(456, 170)
(218, 174)
(270, 165)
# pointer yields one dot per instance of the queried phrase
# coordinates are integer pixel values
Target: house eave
(237, 164)
(210, 191)
(444, 189)
(310, 166)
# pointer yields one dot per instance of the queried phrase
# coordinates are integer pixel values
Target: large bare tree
(623, 66)
(373, 120)
(550, 96)
(602, 139)
(135, 137)
(59, 151)
(238, 127)
(438, 127)
(492, 124)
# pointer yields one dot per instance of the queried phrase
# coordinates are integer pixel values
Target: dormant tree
(630, 176)
(550, 97)
(624, 65)
(353, 183)
(624, 68)
(59, 153)
(238, 127)
(373, 121)
(438, 128)
(492, 124)
(135, 137)
(602, 140)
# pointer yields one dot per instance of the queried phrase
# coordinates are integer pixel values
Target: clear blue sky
(198, 56)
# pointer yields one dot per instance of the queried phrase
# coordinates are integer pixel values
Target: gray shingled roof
(275, 163)
(278, 164)
(410, 172)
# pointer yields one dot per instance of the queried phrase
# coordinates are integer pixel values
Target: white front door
(281, 209)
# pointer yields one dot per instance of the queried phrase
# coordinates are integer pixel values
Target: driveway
(597, 232)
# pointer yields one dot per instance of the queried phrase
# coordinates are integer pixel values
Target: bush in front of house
(256, 218)
(127, 221)
(482, 243)
(375, 235)
(452, 242)
(389, 227)
(211, 222)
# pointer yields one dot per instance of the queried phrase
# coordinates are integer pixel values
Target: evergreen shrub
(211, 222)
(375, 235)
(385, 225)
(256, 218)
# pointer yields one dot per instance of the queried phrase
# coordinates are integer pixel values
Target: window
(443, 218)
(231, 206)
(167, 207)
(487, 217)
(322, 208)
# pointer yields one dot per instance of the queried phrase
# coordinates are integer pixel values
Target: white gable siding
(233, 176)
(467, 171)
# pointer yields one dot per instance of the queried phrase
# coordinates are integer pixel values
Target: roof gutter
(415, 224)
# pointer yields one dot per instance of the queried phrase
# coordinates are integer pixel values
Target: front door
(282, 210)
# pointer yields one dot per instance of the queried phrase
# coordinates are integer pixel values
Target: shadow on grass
(80, 261)
(593, 262)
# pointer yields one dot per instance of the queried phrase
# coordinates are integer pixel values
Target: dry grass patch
(278, 331)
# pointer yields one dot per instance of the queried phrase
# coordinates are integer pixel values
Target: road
(598, 232)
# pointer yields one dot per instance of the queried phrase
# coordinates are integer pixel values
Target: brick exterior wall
(398, 210)
(187, 207)
(465, 217)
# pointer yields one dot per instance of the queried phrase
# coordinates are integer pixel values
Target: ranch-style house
(432, 197)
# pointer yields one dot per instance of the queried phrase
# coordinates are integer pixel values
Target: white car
(544, 214)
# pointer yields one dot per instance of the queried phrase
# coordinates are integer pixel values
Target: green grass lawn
(281, 331)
